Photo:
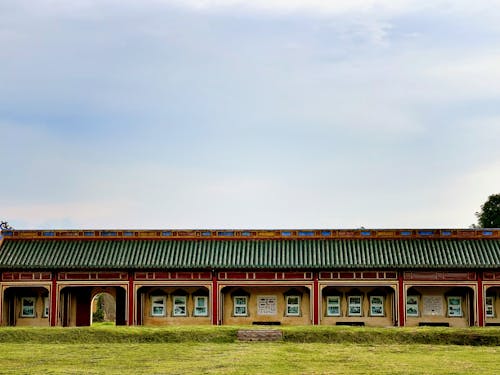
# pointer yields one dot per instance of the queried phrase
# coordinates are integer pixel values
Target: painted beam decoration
(253, 234)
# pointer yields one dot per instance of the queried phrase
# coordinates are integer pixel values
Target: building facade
(397, 277)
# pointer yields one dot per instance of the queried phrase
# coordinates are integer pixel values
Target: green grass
(214, 350)
(245, 358)
(227, 334)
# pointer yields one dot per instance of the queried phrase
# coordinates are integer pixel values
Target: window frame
(237, 306)
(333, 304)
(412, 305)
(457, 312)
(154, 304)
(176, 306)
(46, 307)
(351, 304)
(377, 304)
(289, 305)
(491, 312)
(205, 305)
(33, 307)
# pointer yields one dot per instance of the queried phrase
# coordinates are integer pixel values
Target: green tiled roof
(250, 254)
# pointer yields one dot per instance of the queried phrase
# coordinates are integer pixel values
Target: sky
(248, 114)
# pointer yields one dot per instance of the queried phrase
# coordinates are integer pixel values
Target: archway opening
(103, 309)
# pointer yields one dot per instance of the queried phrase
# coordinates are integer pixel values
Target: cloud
(469, 76)
(247, 114)
(318, 7)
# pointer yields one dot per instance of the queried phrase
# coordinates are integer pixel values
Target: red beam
(401, 295)
(215, 300)
(480, 299)
(131, 299)
(53, 301)
(316, 299)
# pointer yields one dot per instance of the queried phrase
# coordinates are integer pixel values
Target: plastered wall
(375, 321)
(169, 318)
(272, 293)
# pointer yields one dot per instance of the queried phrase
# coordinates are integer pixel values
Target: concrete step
(260, 335)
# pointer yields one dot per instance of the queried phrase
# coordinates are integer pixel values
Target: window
(46, 307)
(292, 305)
(180, 306)
(376, 306)
(201, 306)
(455, 306)
(158, 304)
(28, 307)
(412, 306)
(333, 306)
(490, 309)
(240, 306)
(354, 303)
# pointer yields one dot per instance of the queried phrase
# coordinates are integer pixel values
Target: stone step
(260, 335)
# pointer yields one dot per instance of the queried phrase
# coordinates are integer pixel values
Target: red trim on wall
(445, 276)
(491, 276)
(265, 275)
(234, 275)
(131, 299)
(367, 275)
(173, 275)
(215, 300)
(480, 302)
(93, 276)
(316, 299)
(24, 276)
(53, 301)
(401, 305)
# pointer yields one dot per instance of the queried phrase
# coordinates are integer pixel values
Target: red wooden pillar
(53, 301)
(480, 299)
(316, 299)
(215, 299)
(131, 299)
(401, 300)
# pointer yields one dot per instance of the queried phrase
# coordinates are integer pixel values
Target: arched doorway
(76, 304)
(103, 309)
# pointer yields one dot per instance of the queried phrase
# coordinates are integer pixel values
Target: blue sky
(236, 114)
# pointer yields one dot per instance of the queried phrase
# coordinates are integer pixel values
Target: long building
(390, 277)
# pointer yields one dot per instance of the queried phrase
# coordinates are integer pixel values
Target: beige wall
(228, 306)
(374, 321)
(12, 299)
(169, 319)
(437, 297)
(38, 321)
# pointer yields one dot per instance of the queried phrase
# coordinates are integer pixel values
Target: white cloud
(318, 7)
(469, 76)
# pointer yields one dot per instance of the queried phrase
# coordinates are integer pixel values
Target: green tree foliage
(98, 314)
(489, 216)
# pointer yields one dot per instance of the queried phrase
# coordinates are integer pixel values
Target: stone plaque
(432, 305)
(267, 305)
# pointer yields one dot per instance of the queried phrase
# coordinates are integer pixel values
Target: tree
(489, 216)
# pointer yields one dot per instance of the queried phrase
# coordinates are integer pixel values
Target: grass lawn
(245, 358)
(213, 350)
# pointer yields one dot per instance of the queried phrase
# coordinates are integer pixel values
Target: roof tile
(249, 254)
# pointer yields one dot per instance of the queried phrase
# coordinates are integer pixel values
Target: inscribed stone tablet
(432, 305)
